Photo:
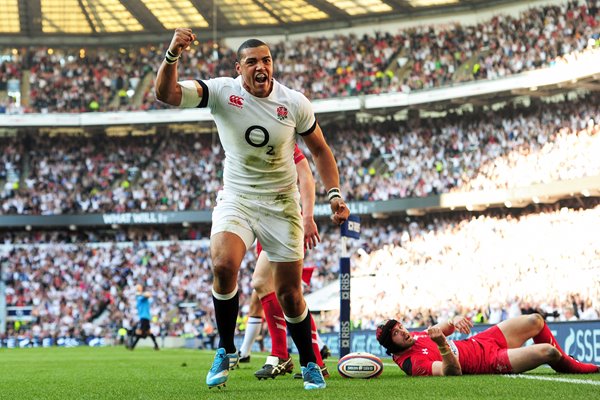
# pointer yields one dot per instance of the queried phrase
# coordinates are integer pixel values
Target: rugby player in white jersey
(258, 120)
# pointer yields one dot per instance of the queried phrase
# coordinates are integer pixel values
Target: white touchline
(553, 379)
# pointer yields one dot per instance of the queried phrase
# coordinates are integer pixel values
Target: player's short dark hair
(249, 44)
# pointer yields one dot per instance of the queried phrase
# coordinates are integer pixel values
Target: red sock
(570, 365)
(566, 364)
(315, 342)
(276, 324)
(546, 336)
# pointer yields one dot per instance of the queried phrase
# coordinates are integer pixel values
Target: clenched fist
(340, 210)
(436, 334)
(182, 38)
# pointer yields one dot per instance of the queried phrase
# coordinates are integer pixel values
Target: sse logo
(236, 101)
(583, 344)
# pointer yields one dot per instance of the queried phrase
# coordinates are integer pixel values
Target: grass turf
(116, 373)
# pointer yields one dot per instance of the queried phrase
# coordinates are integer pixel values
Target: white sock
(252, 330)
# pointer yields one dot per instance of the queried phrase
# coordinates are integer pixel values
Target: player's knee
(223, 268)
(289, 298)
(549, 353)
(536, 321)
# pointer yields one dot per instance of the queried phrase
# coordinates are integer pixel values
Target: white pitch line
(553, 379)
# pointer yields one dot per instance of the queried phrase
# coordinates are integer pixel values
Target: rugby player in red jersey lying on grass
(497, 350)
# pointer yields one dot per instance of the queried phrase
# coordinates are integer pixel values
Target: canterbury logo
(236, 101)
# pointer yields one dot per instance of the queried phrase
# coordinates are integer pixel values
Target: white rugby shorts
(275, 220)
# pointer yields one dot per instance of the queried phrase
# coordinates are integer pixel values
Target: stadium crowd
(85, 290)
(404, 268)
(499, 149)
(422, 57)
(89, 289)
(486, 150)
(489, 267)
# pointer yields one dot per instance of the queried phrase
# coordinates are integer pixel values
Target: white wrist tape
(189, 94)
(334, 193)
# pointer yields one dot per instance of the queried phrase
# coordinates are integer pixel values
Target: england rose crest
(282, 113)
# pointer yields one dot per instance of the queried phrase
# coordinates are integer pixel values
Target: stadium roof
(24, 22)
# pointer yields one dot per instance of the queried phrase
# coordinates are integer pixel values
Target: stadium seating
(487, 265)
(423, 57)
(439, 266)
(514, 147)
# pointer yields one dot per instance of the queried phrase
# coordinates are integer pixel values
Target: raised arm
(166, 87)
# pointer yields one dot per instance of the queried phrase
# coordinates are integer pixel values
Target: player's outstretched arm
(166, 87)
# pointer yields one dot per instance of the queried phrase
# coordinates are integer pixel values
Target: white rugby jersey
(258, 134)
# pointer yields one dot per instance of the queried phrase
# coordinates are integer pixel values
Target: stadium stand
(424, 57)
(380, 160)
(74, 286)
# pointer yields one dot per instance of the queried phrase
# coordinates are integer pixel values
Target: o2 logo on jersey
(282, 113)
(257, 136)
(236, 101)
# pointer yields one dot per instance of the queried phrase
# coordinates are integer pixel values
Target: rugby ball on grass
(360, 365)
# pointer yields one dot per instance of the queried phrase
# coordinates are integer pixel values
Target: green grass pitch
(116, 373)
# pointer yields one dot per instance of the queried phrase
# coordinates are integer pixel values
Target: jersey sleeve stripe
(298, 154)
(407, 366)
(204, 101)
(311, 130)
(298, 158)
